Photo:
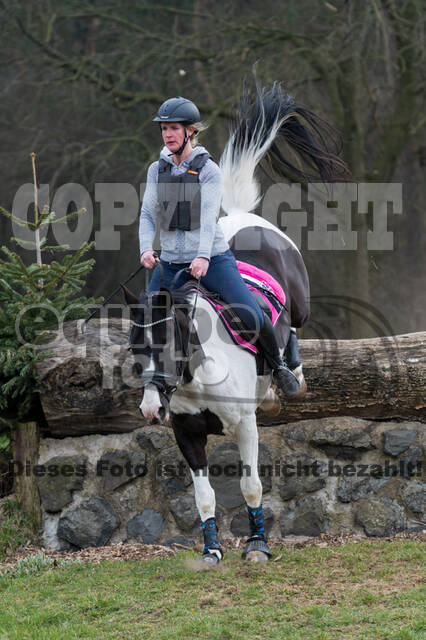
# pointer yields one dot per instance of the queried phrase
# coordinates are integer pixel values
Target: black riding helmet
(178, 110)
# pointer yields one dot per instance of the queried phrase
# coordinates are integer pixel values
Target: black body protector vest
(179, 197)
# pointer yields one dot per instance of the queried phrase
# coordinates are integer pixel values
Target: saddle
(268, 293)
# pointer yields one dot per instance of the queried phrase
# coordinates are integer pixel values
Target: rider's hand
(199, 267)
(148, 260)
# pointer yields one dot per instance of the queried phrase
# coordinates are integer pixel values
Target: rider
(183, 193)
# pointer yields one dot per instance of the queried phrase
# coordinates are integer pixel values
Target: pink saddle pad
(265, 285)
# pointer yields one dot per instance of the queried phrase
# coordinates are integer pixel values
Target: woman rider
(183, 191)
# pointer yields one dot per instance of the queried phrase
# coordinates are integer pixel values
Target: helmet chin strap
(183, 145)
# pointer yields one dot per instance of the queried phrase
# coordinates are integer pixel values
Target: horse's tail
(310, 146)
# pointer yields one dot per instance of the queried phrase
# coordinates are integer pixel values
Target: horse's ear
(130, 297)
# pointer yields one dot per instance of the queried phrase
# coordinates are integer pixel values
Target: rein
(150, 324)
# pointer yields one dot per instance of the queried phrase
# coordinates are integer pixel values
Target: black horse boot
(256, 548)
(212, 552)
(283, 377)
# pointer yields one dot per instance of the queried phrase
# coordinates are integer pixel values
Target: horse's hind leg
(256, 548)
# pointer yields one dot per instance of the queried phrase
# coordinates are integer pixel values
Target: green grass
(353, 592)
(16, 528)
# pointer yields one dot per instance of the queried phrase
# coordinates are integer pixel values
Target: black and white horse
(193, 373)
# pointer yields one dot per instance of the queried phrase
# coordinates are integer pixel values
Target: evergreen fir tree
(31, 299)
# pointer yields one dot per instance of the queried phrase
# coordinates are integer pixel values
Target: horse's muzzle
(159, 417)
(154, 406)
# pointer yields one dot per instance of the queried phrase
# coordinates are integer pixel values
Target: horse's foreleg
(206, 505)
(204, 494)
(192, 445)
(256, 547)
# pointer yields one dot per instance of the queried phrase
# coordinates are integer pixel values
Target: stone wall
(339, 475)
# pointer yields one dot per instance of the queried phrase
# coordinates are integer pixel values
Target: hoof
(256, 550)
(298, 372)
(302, 390)
(256, 556)
(271, 403)
(209, 559)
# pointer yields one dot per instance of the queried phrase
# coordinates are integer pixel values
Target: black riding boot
(291, 353)
(283, 377)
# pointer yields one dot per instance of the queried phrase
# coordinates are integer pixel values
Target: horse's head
(158, 340)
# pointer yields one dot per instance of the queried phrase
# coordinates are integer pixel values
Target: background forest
(81, 82)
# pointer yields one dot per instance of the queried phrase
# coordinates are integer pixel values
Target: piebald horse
(193, 374)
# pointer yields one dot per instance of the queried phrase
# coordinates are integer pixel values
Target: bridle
(160, 378)
(167, 383)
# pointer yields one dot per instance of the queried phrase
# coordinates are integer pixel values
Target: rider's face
(173, 135)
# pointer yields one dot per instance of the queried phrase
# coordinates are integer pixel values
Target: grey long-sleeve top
(177, 245)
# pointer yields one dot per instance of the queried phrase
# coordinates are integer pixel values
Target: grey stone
(398, 440)
(351, 489)
(414, 498)
(226, 469)
(172, 470)
(265, 467)
(90, 524)
(179, 540)
(240, 522)
(341, 438)
(380, 516)
(293, 486)
(308, 518)
(411, 463)
(173, 486)
(66, 546)
(56, 490)
(294, 432)
(121, 466)
(153, 440)
(223, 461)
(184, 512)
(147, 526)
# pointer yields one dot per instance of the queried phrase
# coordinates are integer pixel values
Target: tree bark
(25, 443)
(379, 378)
(89, 384)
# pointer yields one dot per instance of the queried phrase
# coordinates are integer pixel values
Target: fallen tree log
(379, 378)
(89, 382)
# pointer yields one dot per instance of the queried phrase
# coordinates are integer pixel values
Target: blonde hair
(198, 126)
